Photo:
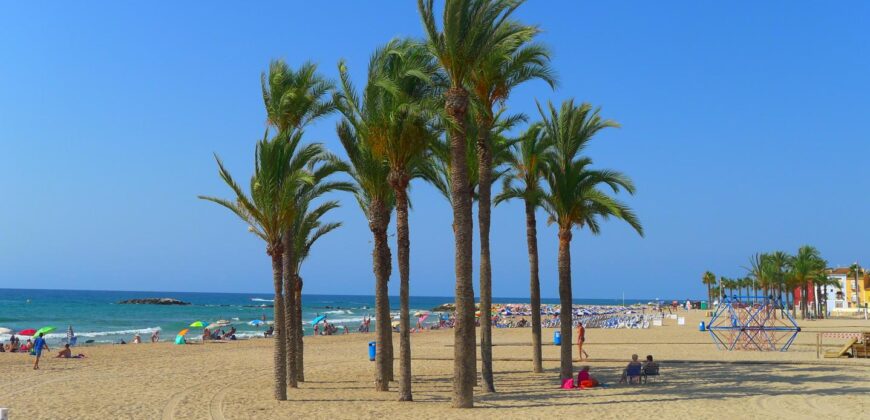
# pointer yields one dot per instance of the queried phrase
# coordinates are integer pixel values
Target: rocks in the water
(447, 307)
(153, 301)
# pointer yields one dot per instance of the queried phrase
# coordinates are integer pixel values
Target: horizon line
(320, 294)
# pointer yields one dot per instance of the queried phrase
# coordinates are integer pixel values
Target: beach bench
(843, 352)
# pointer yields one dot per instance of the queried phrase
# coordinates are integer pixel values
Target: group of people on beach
(36, 348)
(632, 373)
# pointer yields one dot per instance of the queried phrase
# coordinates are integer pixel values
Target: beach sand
(233, 380)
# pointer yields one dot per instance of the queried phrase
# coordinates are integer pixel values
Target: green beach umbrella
(197, 324)
(45, 330)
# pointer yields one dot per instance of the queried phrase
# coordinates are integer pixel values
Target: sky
(744, 127)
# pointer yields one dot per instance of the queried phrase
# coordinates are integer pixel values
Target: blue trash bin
(701, 326)
(372, 350)
(557, 338)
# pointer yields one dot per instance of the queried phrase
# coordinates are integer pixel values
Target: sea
(96, 316)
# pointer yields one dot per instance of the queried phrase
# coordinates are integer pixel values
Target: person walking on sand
(38, 346)
(581, 337)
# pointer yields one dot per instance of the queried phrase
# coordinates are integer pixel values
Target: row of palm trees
(430, 109)
(779, 275)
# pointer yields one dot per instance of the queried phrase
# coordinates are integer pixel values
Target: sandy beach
(233, 380)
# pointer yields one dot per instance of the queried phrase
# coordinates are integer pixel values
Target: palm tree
(307, 229)
(526, 165)
(855, 270)
(575, 197)
(375, 197)
(293, 99)
(401, 94)
(269, 212)
(709, 280)
(804, 267)
(513, 62)
(470, 30)
(779, 262)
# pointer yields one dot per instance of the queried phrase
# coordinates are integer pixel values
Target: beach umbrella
(29, 331)
(218, 324)
(197, 324)
(395, 324)
(183, 332)
(5, 330)
(318, 319)
(69, 334)
(45, 330)
(256, 323)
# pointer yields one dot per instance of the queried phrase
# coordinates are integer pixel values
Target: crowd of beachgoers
(512, 315)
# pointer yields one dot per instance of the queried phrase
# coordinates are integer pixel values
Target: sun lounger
(843, 352)
(862, 349)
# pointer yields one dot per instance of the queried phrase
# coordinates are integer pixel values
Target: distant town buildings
(844, 294)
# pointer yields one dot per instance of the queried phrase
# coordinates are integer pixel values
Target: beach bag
(568, 383)
(588, 383)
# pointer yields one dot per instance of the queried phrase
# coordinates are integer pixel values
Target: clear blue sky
(744, 128)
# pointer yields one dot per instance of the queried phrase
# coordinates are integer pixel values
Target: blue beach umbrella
(256, 323)
(318, 319)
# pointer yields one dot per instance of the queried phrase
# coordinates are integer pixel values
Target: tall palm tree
(307, 229)
(269, 211)
(469, 30)
(575, 196)
(526, 163)
(779, 262)
(709, 280)
(855, 271)
(514, 61)
(293, 99)
(401, 93)
(370, 174)
(804, 267)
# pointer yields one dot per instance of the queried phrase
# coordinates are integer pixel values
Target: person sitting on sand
(633, 369)
(268, 333)
(66, 353)
(137, 339)
(584, 380)
(206, 335)
(155, 336)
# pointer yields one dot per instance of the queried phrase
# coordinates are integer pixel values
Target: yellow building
(848, 285)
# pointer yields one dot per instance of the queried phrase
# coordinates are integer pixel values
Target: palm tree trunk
(300, 359)
(280, 349)
(566, 369)
(464, 351)
(290, 308)
(404, 249)
(381, 263)
(709, 295)
(535, 287)
(484, 208)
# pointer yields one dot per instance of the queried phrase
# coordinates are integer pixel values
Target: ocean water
(96, 315)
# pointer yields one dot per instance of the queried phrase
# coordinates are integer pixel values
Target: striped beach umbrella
(69, 334)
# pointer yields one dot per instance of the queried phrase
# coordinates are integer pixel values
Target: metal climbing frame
(755, 323)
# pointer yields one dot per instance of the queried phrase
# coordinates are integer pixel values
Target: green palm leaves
(295, 98)
(269, 209)
(576, 197)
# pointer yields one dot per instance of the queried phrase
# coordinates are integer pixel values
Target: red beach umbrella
(29, 331)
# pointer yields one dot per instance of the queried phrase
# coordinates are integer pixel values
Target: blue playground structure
(755, 323)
